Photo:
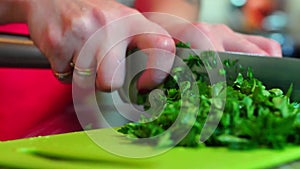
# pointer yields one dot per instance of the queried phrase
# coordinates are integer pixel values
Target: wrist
(13, 11)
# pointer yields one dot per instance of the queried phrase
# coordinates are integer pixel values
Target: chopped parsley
(253, 116)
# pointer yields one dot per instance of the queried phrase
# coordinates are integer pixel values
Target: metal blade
(20, 52)
(273, 72)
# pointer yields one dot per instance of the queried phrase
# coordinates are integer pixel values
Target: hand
(214, 37)
(224, 39)
(61, 28)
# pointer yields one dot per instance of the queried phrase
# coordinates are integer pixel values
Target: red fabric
(33, 102)
(15, 28)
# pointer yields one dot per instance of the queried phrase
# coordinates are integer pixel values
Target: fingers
(223, 38)
(270, 46)
(59, 55)
(160, 51)
(149, 37)
(237, 44)
(111, 68)
(231, 41)
(161, 55)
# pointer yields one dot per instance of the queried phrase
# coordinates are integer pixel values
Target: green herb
(253, 116)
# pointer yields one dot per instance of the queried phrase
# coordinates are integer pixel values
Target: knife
(274, 72)
(19, 52)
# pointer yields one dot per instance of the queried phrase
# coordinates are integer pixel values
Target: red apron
(32, 101)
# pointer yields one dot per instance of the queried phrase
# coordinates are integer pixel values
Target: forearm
(187, 9)
(13, 11)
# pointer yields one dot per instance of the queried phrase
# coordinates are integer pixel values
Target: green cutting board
(77, 150)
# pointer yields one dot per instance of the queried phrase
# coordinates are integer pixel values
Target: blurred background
(276, 19)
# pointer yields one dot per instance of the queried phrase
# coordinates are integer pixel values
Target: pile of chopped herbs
(253, 116)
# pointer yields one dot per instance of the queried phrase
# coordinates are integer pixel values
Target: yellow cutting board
(77, 150)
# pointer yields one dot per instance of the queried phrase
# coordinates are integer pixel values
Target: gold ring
(80, 71)
(83, 72)
(62, 76)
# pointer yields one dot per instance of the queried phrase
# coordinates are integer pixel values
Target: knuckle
(83, 27)
(53, 38)
(79, 26)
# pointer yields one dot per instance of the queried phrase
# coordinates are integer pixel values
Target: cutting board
(77, 150)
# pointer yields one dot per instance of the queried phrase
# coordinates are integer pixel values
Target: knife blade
(20, 52)
(274, 72)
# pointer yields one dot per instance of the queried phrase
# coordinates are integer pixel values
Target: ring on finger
(61, 76)
(83, 72)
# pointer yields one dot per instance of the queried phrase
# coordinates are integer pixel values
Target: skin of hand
(220, 36)
(60, 29)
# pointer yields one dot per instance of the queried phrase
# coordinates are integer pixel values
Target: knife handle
(20, 52)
